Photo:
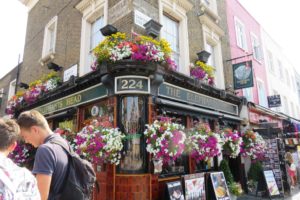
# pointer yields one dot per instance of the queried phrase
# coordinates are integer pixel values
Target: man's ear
(34, 129)
(12, 146)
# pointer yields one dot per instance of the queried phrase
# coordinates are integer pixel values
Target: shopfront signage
(243, 75)
(194, 185)
(173, 92)
(274, 101)
(132, 84)
(271, 183)
(85, 96)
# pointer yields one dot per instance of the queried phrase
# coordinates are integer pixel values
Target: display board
(175, 191)
(194, 186)
(272, 161)
(271, 183)
(220, 186)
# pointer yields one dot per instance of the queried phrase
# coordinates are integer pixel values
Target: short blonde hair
(31, 118)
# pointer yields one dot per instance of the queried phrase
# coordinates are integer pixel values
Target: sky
(279, 18)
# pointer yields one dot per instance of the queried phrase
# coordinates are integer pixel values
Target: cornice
(29, 3)
(185, 4)
(84, 4)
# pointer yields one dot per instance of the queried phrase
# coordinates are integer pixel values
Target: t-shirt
(21, 179)
(293, 167)
(51, 159)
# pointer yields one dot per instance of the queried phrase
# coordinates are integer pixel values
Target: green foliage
(224, 166)
(255, 171)
(235, 188)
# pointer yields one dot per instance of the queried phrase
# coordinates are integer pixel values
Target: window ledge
(48, 57)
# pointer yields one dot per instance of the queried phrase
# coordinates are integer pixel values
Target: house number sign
(132, 84)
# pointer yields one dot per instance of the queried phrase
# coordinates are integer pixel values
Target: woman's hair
(31, 118)
(9, 133)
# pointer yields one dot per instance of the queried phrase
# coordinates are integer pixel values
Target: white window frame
(250, 92)
(280, 69)
(256, 45)
(270, 61)
(240, 41)
(263, 101)
(52, 24)
(178, 10)
(91, 10)
(12, 89)
(286, 105)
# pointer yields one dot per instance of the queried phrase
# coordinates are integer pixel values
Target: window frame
(256, 44)
(243, 39)
(47, 38)
(12, 92)
(260, 100)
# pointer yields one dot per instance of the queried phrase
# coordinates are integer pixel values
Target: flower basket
(100, 145)
(203, 144)
(68, 135)
(202, 72)
(23, 155)
(253, 145)
(165, 140)
(232, 142)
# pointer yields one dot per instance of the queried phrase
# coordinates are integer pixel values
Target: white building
(281, 77)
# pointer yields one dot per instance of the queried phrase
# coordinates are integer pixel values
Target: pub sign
(274, 101)
(242, 75)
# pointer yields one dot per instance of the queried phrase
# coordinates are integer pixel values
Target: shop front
(129, 95)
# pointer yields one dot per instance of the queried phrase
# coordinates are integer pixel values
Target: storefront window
(132, 123)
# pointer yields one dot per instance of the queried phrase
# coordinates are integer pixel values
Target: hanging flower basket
(140, 48)
(253, 145)
(68, 135)
(165, 140)
(202, 72)
(100, 145)
(203, 144)
(23, 155)
(232, 142)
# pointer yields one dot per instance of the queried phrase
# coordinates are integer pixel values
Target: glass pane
(96, 36)
(132, 124)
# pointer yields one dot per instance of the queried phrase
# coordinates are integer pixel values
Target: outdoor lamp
(23, 85)
(108, 30)
(203, 56)
(54, 66)
(152, 28)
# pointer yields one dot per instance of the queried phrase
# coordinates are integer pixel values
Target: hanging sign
(132, 84)
(175, 190)
(274, 101)
(220, 186)
(194, 186)
(242, 75)
(271, 183)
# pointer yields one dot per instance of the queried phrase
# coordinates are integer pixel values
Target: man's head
(34, 127)
(9, 134)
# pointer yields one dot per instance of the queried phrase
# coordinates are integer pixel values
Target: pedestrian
(51, 160)
(291, 170)
(16, 183)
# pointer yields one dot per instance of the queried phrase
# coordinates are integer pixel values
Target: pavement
(295, 195)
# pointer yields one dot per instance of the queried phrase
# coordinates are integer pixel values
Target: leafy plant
(235, 189)
(255, 171)
(224, 166)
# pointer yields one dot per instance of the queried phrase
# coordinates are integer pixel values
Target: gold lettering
(173, 92)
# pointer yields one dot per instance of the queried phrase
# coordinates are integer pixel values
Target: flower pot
(158, 163)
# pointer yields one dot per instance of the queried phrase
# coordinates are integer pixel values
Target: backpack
(80, 178)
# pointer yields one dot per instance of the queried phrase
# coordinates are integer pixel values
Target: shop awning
(196, 109)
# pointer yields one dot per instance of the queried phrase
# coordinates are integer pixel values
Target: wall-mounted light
(23, 85)
(108, 30)
(152, 28)
(53, 66)
(203, 56)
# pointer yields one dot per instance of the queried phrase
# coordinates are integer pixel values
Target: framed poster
(175, 191)
(220, 186)
(194, 186)
(271, 183)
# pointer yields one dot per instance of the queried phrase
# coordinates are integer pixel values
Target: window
(50, 37)
(293, 110)
(211, 60)
(287, 77)
(270, 61)
(286, 106)
(12, 89)
(170, 32)
(94, 14)
(240, 34)
(211, 4)
(262, 97)
(280, 70)
(247, 92)
(256, 48)
(172, 15)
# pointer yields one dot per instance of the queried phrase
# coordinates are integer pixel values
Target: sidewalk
(294, 196)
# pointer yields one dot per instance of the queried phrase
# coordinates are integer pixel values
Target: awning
(196, 109)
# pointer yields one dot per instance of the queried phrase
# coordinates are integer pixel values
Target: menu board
(194, 186)
(271, 183)
(175, 190)
(272, 162)
(220, 186)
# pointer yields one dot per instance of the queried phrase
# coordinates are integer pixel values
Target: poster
(220, 186)
(175, 190)
(194, 186)
(271, 183)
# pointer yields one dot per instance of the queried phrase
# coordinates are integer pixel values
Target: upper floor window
(12, 89)
(280, 70)
(211, 49)
(262, 96)
(287, 77)
(270, 61)
(256, 47)
(94, 18)
(170, 32)
(50, 37)
(240, 34)
(286, 105)
(248, 93)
